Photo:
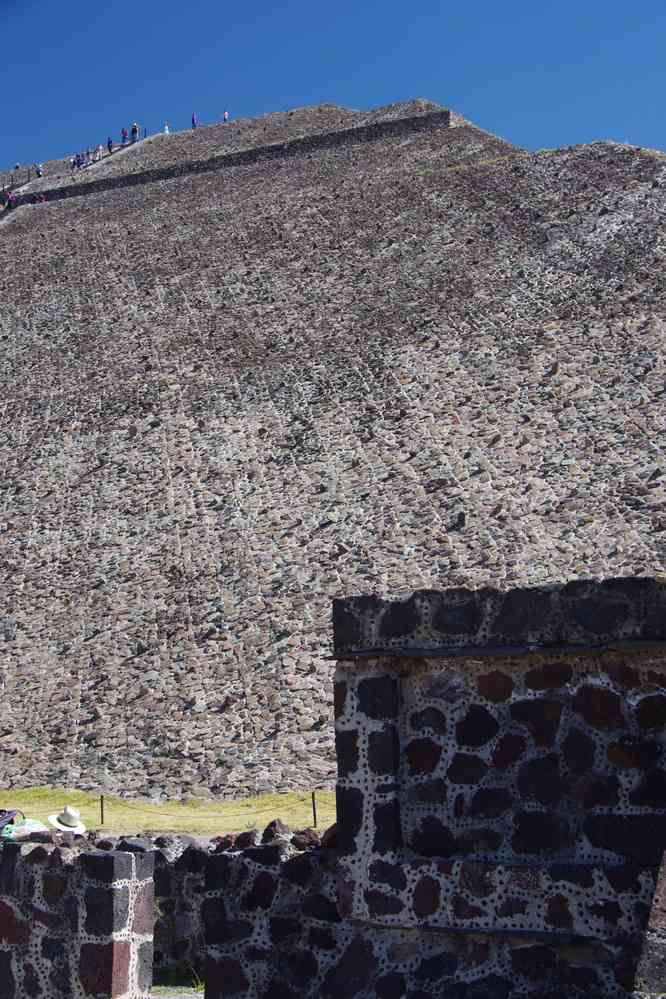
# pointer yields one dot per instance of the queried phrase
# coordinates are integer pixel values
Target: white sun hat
(69, 820)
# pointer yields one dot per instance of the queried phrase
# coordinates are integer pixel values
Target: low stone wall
(179, 888)
(75, 925)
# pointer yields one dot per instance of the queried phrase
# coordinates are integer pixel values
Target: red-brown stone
(13, 930)
(54, 887)
(601, 708)
(495, 686)
(462, 909)
(305, 839)
(345, 891)
(329, 838)
(541, 717)
(558, 913)
(104, 968)
(508, 749)
(339, 699)
(262, 892)
(143, 922)
(426, 897)
(548, 676)
(423, 755)
(225, 978)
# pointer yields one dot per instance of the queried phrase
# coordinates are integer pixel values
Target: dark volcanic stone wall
(505, 794)
(75, 925)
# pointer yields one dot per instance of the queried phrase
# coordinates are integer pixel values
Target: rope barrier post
(101, 809)
(314, 810)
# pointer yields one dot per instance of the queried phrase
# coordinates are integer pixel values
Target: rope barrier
(248, 811)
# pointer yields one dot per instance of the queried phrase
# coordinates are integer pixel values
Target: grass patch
(183, 980)
(193, 816)
(175, 991)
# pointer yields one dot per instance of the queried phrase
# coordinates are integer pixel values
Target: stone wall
(276, 928)
(75, 925)
(501, 780)
(500, 834)
(283, 150)
(179, 864)
(179, 888)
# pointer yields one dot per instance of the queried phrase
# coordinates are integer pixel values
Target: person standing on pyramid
(226, 117)
(195, 119)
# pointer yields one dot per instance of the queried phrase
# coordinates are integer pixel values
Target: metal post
(101, 809)
(314, 810)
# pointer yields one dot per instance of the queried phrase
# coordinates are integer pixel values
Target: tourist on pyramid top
(166, 127)
(123, 136)
(225, 116)
(195, 119)
(109, 145)
(39, 169)
(135, 132)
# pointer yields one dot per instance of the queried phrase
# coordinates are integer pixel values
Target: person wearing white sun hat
(69, 820)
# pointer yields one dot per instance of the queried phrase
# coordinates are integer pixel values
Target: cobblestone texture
(409, 363)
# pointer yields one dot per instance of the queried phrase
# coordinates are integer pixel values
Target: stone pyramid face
(412, 358)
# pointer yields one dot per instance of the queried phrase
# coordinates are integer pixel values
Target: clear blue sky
(537, 72)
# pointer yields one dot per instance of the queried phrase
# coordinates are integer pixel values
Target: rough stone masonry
(502, 783)
(400, 357)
